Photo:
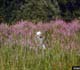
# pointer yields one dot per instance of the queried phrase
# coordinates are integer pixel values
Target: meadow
(17, 46)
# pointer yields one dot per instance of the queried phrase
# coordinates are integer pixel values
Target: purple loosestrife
(22, 32)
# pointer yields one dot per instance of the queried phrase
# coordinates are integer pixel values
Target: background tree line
(38, 10)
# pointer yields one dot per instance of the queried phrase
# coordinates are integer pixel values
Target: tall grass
(62, 42)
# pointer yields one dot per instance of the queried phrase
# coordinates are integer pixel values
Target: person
(39, 40)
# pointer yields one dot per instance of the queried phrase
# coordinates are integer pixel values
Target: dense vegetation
(38, 10)
(18, 49)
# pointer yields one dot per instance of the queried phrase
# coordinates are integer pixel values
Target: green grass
(21, 58)
(54, 58)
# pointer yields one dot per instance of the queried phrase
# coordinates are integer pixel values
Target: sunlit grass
(18, 50)
(23, 58)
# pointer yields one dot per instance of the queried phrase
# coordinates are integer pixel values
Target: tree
(39, 10)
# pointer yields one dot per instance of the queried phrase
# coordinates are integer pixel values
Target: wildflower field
(18, 49)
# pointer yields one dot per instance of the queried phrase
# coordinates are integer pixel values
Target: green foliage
(8, 9)
(38, 10)
(69, 9)
(21, 58)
